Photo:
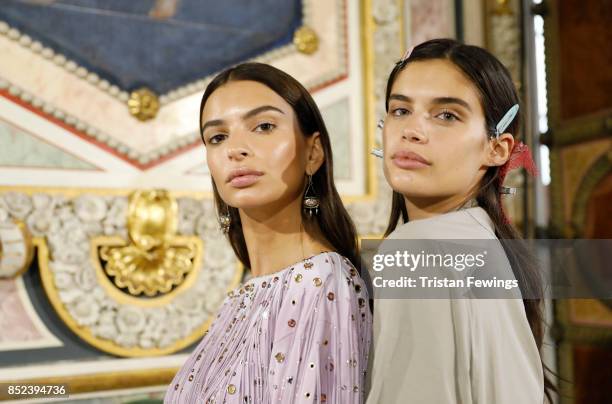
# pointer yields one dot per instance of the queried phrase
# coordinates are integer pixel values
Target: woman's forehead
(434, 79)
(243, 95)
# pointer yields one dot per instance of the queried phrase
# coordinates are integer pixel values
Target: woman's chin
(417, 192)
(246, 202)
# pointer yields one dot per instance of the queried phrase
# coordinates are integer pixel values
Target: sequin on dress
(300, 335)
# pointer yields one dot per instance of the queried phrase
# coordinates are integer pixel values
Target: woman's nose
(236, 144)
(414, 131)
(237, 153)
(414, 135)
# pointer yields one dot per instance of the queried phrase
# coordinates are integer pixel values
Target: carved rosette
(143, 104)
(16, 249)
(306, 40)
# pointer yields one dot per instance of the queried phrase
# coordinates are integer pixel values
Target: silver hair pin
(406, 54)
(377, 152)
(506, 120)
(507, 191)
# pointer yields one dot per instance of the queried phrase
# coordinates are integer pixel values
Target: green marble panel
(20, 149)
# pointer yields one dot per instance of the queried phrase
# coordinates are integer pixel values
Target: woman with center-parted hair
(448, 140)
(300, 330)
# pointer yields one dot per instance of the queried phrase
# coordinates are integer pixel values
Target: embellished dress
(300, 335)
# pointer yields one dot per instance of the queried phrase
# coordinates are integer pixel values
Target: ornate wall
(578, 59)
(112, 264)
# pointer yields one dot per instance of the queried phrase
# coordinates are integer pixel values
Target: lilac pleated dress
(300, 335)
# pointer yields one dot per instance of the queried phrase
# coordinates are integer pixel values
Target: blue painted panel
(162, 44)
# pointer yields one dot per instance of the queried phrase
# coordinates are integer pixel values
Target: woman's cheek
(215, 169)
(282, 154)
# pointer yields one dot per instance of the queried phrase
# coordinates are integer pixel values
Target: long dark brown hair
(497, 95)
(333, 221)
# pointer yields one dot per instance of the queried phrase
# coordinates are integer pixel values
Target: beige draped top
(453, 350)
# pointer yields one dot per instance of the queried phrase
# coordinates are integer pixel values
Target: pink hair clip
(520, 156)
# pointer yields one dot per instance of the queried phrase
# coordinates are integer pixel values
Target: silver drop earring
(311, 202)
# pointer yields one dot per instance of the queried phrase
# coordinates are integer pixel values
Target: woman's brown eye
(448, 116)
(216, 139)
(265, 127)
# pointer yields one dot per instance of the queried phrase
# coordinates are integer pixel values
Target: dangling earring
(225, 221)
(311, 202)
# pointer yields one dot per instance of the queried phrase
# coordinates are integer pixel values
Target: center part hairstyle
(497, 95)
(333, 221)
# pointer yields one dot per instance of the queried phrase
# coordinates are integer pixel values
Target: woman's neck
(423, 208)
(275, 237)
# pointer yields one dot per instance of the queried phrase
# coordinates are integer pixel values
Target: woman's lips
(243, 181)
(409, 160)
(243, 177)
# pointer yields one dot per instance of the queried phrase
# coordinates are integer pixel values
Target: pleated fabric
(300, 335)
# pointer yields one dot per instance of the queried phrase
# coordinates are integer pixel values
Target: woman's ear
(499, 151)
(315, 155)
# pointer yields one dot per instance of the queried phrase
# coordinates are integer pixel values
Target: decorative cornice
(97, 136)
(182, 91)
(129, 154)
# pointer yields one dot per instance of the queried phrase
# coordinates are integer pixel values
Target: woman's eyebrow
(400, 97)
(436, 101)
(259, 110)
(214, 122)
(251, 113)
(452, 100)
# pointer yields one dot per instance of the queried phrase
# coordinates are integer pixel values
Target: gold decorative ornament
(94, 382)
(151, 273)
(502, 7)
(306, 40)
(153, 263)
(152, 218)
(107, 243)
(143, 104)
(86, 333)
(109, 346)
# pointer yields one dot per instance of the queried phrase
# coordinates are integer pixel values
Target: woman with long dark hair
(448, 141)
(300, 329)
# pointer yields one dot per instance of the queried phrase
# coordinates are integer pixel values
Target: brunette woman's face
(254, 149)
(434, 137)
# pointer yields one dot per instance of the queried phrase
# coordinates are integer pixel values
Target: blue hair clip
(506, 120)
